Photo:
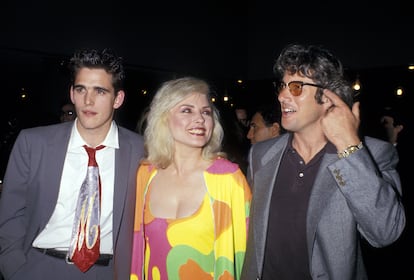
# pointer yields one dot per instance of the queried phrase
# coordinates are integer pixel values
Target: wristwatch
(350, 150)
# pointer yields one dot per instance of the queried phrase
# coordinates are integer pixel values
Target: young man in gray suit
(45, 172)
(320, 187)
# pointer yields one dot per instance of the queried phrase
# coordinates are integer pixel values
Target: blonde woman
(192, 205)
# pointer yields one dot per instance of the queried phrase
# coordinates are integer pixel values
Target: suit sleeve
(371, 185)
(13, 204)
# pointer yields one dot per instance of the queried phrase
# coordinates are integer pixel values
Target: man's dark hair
(94, 59)
(270, 113)
(318, 64)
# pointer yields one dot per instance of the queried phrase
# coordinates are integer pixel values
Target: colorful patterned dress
(210, 244)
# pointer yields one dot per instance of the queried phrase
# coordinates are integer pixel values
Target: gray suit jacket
(31, 187)
(351, 197)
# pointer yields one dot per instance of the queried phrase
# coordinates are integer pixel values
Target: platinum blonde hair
(159, 142)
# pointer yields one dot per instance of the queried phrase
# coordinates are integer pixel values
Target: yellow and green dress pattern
(210, 244)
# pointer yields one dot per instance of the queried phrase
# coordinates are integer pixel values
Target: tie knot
(91, 154)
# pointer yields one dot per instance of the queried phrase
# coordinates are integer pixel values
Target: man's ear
(326, 102)
(275, 129)
(119, 99)
(71, 95)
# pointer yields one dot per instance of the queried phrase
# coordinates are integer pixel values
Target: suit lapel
(52, 164)
(122, 175)
(264, 181)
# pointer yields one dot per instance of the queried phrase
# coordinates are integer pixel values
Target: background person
(391, 129)
(264, 124)
(68, 112)
(234, 144)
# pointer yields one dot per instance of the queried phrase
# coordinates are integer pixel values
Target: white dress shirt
(58, 230)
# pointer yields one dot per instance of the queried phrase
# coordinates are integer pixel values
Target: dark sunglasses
(295, 87)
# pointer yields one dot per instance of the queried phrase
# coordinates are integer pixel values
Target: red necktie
(84, 247)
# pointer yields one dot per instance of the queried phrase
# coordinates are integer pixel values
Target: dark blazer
(351, 197)
(31, 187)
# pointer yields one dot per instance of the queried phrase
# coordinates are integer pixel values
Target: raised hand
(340, 124)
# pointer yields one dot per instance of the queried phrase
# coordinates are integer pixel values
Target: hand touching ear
(340, 124)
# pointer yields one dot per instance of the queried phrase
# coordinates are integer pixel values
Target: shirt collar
(111, 139)
(329, 147)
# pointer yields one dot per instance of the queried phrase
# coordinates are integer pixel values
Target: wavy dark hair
(94, 59)
(318, 64)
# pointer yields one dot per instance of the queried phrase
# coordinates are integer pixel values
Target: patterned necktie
(84, 247)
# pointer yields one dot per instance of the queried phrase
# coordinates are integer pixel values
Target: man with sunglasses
(320, 188)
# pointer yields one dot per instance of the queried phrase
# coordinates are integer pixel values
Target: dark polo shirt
(286, 252)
